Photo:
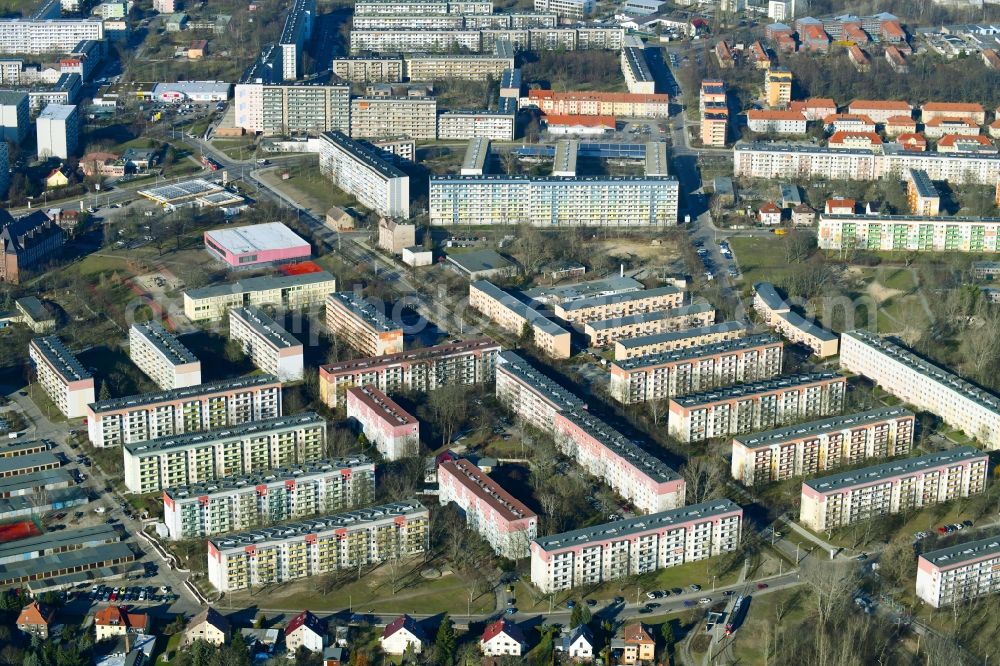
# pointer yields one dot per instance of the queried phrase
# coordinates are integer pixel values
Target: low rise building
(608, 331)
(163, 357)
(819, 446)
(402, 635)
(923, 385)
(270, 347)
(394, 236)
(420, 370)
(482, 265)
(362, 324)
(971, 111)
(113, 621)
(505, 522)
(692, 370)
(911, 484)
(256, 245)
(514, 316)
(220, 404)
(578, 103)
(35, 620)
(599, 308)
(240, 502)
(777, 314)
(959, 573)
(661, 343)
(209, 626)
(287, 291)
(814, 108)
(880, 111)
(319, 546)
(943, 125)
(776, 122)
(67, 383)
(28, 242)
(623, 548)
(205, 456)
(306, 632)
(757, 406)
(503, 638)
(386, 425)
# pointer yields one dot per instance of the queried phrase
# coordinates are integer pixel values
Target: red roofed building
(892, 32)
(117, 621)
(35, 619)
(961, 143)
(912, 141)
(814, 38)
(897, 125)
(815, 108)
(759, 56)
(776, 122)
(503, 637)
(634, 645)
(880, 110)
(994, 129)
(840, 206)
(769, 214)
(854, 33)
(895, 58)
(938, 127)
(969, 111)
(849, 122)
(724, 55)
(400, 634)
(861, 61)
(991, 58)
(583, 125)
(305, 630)
(860, 140)
(786, 43)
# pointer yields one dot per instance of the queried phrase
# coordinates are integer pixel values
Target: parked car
(761, 586)
(704, 601)
(694, 587)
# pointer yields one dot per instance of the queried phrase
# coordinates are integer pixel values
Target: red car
(761, 586)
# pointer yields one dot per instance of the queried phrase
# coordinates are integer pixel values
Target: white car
(100, 509)
(704, 601)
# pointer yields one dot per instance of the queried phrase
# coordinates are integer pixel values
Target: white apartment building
(373, 181)
(638, 76)
(14, 120)
(242, 449)
(393, 22)
(819, 446)
(531, 395)
(318, 546)
(851, 497)
(465, 125)
(393, 431)
(772, 121)
(777, 314)
(492, 512)
(512, 315)
(57, 131)
(67, 383)
(909, 233)
(959, 573)
(409, 41)
(369, 69)
(292, 107)
(462, 7)
(590, 201)
(758, 406)
(378, 117)
(419, 370)
(287, 291)
(245, 501)
(37, 37)
(138, 418)
(271, 348)
(623, 548)
(774, 160)
(163, 357)
(571, 9)
(661, 376)
(923, 385)
(634, 474)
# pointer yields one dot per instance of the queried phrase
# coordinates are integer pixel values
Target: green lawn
(44, 403)
(898, 278)
(760, 259)
(374, 593)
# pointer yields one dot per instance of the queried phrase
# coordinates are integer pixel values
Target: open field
(310, 189)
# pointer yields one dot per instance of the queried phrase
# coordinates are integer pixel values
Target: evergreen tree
(445, 641)
(576, 616)
(104, 393)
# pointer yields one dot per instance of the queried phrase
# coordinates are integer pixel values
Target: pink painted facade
(959, 573)
(393, 431)
(246, 246)
(631, 472)
(506, 523)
